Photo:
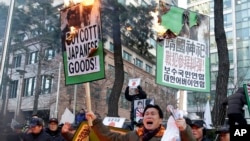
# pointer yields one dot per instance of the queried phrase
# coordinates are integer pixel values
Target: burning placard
(183, 56)
(81, 43)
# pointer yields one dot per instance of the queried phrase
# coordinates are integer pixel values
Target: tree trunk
(219, 111)
(119, 71)
(38, 82)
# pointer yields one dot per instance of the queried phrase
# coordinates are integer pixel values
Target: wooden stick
(88, 100)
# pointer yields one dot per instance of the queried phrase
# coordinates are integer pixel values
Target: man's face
(224, 137)
(197, 132)
(53, 126)
(36, 129)
(151, 119)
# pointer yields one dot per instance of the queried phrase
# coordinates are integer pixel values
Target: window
(123, 102)
(126, 77)
(49, 53)
(46, 84)
(17, 60)
(127, 56)
(29, 86)
(138, 63)
(13, 89)
(148, 68)
(111, 47)
(108, 95)
(111, 70)
(33, 57)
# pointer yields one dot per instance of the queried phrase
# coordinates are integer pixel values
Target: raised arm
(127, 96)
(142, 94)
(103, 132)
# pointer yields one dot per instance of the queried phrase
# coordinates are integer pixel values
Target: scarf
(148, 134)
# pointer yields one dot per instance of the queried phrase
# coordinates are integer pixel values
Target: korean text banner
(81, 43)
(183, 54)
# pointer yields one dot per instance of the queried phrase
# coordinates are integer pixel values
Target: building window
(33, 57)
(17, 61)
(49, 53)
(138, 63)
(111, 70)
(111, 47)
(46, 84)
(123, 102)
(126, 77)
(13, 89)
(127, 56)
(108, 95)
(148, 68)
(29, 86)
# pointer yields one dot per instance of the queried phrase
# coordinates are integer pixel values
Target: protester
(81, 116)
(235, 104)
(199, 130)
(223, 133)
(152, 128)
(54, 131)
(139, 94)
(15, 134)
(37, 132)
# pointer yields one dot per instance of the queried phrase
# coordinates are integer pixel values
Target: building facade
(237, 27)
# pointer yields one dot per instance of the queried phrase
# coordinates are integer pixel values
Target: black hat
(53, 120)
(36, 121)
(223, 129)
(198, 123)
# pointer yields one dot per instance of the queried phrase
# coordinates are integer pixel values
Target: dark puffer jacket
(236, 102)
(132, 98)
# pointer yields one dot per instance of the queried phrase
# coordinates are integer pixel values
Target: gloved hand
(139, 87)
(127, 88)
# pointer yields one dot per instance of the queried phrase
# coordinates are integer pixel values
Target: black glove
(139, 87)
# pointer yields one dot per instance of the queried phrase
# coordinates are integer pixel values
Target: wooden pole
(181, 100)
(88, 100)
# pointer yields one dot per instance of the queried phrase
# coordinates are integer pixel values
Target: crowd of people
(151, 128)
(36, 130)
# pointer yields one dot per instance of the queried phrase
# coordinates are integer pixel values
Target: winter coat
(54, 135)
(105, 134)
(236, 102)
(42, 136)
(141, 95)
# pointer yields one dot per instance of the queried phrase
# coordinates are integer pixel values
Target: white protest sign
(113, 121)
(67, 116)
(133, 83)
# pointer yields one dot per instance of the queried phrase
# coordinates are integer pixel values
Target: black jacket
(42, 136)
(54, 135)
(236, 102)
(141, 95)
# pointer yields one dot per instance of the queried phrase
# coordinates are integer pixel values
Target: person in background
(15, 134)
(235, 104)
(81, 116)
(54, 131)
(37, 132)
(223, 133)
(139, 94)
(152, 129)
(199, 130)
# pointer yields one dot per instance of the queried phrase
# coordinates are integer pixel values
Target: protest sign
(183, 57)
(81, 43)
(133, 83)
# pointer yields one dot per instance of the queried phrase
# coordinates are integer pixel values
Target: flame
(156, 25)
(73, 32)
(69, 3)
